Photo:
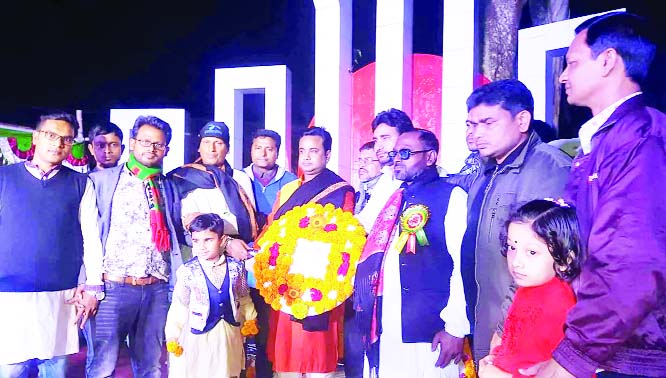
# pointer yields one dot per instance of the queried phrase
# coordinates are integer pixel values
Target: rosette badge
(307, 259)
(412, 221)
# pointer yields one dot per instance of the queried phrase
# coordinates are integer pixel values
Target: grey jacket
(538, 172)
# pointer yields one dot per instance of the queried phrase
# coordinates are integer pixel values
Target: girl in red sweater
(543, 250)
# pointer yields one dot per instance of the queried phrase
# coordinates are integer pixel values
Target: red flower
(331, 227)
(304, 222)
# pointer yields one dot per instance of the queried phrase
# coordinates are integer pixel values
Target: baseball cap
(215, 130)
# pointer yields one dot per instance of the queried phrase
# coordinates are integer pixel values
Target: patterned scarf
(149, 176)
(369, 282)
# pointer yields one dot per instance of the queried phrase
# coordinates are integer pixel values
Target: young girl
(210, 303)
(544, 254)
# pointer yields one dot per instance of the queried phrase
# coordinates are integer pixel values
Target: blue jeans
(53, 368)
(138, 312)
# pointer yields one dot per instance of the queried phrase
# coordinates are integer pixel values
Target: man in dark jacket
(517, 167)
(617, 184)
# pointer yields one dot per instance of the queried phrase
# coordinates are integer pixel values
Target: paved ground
(123, 370)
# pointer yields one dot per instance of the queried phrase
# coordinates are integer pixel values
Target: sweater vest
(426, 275)
(41, 245)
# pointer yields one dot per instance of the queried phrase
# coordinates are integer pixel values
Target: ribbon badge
(412, 221)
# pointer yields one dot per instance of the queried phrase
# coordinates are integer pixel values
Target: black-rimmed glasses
(147, 143)
(404, 153)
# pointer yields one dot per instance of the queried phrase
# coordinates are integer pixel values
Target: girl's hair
(207, 222)
(556, 224)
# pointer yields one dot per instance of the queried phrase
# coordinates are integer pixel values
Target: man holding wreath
(310, 346)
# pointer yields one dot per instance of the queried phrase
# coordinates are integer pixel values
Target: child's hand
(487, 360)
(488, 370)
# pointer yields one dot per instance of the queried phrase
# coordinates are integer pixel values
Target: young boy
(210, 303)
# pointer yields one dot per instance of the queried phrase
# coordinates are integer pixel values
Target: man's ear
(328, 156)
(431, 157)
(91, 148)
(610, 60)
(524, 119)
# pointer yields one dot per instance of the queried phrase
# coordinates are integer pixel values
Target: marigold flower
(175, 348)
(285, 290)
(250, 328)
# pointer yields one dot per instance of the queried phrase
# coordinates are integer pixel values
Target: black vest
(41, 246)
(425, 276)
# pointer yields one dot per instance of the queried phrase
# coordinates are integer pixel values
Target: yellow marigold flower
(250, 328)
(175, 348)
(299, 310)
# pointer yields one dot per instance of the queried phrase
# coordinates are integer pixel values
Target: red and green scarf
(158, 226)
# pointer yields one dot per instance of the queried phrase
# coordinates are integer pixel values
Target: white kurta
(416, 360)
(40, 324)
(217, 353)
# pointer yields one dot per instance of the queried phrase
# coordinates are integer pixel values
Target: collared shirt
(384, 188)
(591, 127)
(130, 251)
(37, 172)
(365, 193)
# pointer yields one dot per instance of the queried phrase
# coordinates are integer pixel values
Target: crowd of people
(544, 265)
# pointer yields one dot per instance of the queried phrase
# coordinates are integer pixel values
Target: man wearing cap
(210, 185)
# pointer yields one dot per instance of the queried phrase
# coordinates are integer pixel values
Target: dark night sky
(94, 55)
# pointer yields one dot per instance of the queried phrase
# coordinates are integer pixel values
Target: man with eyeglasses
(517, 167)
(45, 242)
(369, 172)
(105, 145)
(138, 219)
(408, 291)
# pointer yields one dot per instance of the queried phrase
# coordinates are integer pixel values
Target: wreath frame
(294, 293)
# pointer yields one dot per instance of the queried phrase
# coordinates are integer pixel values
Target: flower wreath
(291, 274)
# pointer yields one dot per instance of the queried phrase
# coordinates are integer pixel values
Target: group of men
(413, 303)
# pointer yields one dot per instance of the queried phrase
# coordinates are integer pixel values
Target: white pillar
(275, 83)
(457, 80)
(393, 69)
(333, 42)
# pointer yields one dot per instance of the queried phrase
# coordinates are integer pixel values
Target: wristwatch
(96, 291)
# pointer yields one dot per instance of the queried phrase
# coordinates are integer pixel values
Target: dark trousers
(610, 374)
(138, 312)
(263, 366)
(353, 358)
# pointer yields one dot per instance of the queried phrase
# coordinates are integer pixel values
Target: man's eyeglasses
(404, 153)
(147, 143)
(366, 161)
(53, 137)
